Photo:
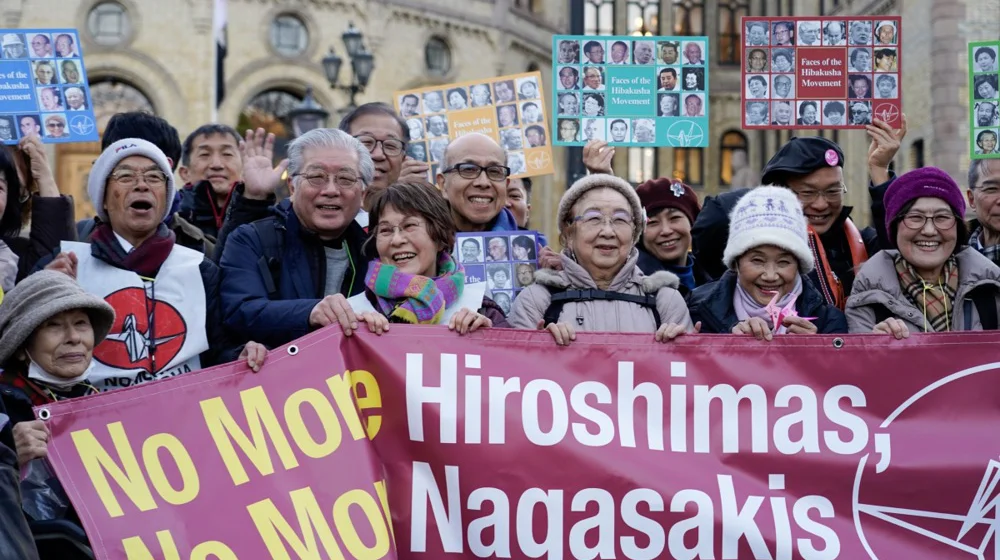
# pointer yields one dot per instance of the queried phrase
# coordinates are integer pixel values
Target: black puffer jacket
(712, 304)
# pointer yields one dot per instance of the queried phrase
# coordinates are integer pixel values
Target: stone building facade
(160, 56)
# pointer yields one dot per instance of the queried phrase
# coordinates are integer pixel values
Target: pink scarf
(747, 307)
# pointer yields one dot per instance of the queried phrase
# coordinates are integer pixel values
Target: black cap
(801, 156)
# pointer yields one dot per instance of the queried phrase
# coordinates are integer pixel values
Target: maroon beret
(665, 192)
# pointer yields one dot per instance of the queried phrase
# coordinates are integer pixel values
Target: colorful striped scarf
(937, 301)
(414, 299)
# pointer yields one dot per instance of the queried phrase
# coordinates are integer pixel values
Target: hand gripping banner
(502, 445)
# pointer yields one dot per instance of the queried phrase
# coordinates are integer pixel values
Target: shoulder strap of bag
(562, 297)
(269, 263)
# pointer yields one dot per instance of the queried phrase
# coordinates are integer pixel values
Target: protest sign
(630, 91)
(505, 260)
(821, 72)
(229, 463)
(43, 87)
(508, 109)
(984, 99)
(501, 444)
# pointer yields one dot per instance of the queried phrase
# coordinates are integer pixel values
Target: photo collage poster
(43, 87)
(630, 91)
(505, 260)
(821, 72)
(508, 108)
(984, 102)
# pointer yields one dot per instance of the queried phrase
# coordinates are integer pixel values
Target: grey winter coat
(878, 284)
(602, 315)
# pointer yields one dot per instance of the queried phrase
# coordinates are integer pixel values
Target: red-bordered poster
(821, 72)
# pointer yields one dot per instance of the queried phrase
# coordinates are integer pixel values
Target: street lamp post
(362, 64)
(307, 115)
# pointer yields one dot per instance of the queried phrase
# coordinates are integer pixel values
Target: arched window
(689, 165)
(269, 110)
(289, 36)
(643, 17)
(689, 17)
(599, 17)
(437, 56)
(732, 142)
(112, 95)
(731, 29)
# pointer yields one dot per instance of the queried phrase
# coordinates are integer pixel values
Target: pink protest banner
(821, 72)
(502, 445)
(229, 463)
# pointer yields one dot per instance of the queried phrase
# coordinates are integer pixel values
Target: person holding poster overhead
(414, 279)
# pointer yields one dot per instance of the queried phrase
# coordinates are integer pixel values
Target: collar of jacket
(574, 276)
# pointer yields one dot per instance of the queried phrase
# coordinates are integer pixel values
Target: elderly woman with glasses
(413, 278)
(166, 296)
(931, 281)
(600, 286)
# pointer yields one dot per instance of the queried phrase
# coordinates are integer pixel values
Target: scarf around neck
(746, 306)
(415, 299)
(937, 301)
(144, 260)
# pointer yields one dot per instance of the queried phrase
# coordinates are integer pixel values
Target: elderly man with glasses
(290, 273)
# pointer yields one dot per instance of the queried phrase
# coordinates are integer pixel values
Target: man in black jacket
(211, 168)
(812, 168)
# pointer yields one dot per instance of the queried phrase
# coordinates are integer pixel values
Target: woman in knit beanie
(766, 291)
(600, 286)
(931, 281)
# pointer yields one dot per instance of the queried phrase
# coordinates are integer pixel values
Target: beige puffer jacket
(878, 284)
(602, 315)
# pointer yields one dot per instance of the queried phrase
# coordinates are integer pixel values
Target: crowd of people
(168, 279)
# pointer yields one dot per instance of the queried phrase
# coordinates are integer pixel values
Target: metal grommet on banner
(838, 343)
(293, 350)
(44, 414)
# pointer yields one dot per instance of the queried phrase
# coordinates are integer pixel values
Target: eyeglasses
(495, 173)
(390, 146)
(55, 125)
(319, 179)
(592, 220)
(830, 195)
(387, 231)
(918, 221)
(129, 178)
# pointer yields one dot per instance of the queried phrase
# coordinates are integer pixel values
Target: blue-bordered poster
(630, 91)
(43, 87)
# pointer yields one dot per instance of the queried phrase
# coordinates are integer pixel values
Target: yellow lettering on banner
(99, 464)
(383, 499)
(225, 432)
(328, 417)
(136, 549)
(340, 388)
(274, 528)
(189, 475)
(372, 398)
(342, 520)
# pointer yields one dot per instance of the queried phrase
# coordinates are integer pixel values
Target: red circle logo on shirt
(144, 329)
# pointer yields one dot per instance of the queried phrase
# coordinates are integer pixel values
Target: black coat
(710, 234)
(712, 304)
(198, 208)
(51, 224)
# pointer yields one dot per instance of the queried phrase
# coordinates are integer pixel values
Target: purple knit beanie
(919, 183)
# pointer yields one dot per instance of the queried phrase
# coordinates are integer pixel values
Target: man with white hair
(75, 100)
(288, 274)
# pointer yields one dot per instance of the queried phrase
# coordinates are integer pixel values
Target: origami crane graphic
(778, 314)
(136, 342)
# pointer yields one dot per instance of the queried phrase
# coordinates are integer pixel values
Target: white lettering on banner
(540, 527)
(593, 414)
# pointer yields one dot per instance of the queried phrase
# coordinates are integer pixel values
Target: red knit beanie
(665, 192)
